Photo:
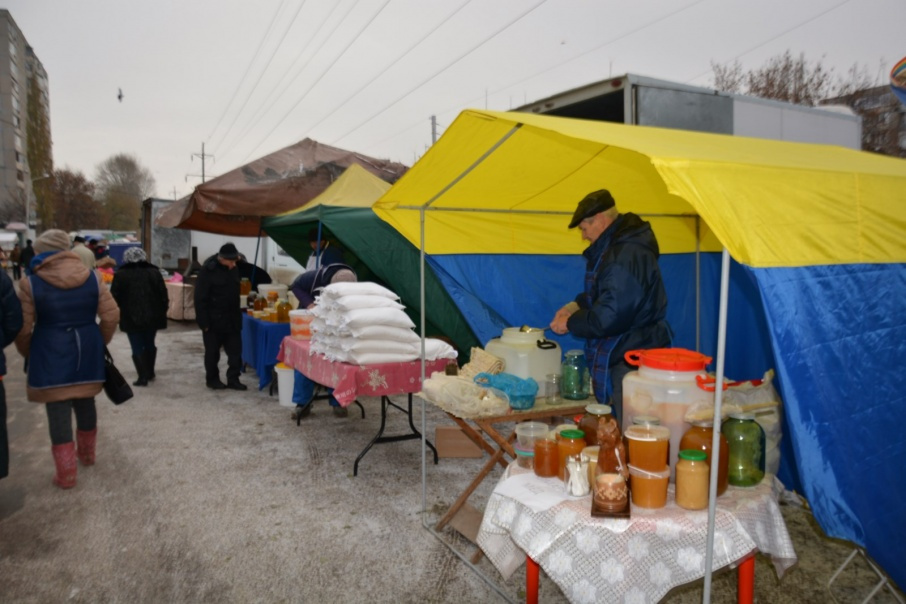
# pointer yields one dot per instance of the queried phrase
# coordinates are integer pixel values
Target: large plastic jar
(701, 436)
(745, 439)
(665, 386)
(300, 324)
(527, 354)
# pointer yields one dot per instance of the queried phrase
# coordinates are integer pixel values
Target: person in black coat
(10, 326)
(141, 294)
(25, 258)
(219, 316)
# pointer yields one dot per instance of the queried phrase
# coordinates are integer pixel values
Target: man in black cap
(624, 305)
(219, 316)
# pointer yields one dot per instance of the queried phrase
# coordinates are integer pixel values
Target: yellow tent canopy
(504, 182)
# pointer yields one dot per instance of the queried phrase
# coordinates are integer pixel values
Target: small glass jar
(552, 388)
(745, 439)
(571, 442)
(260, 303)
(589, 422)
(700, 436)
(692, 474)
(245, 286)
(525, 457)
(272, 298)
(574, 376)
(547, 457)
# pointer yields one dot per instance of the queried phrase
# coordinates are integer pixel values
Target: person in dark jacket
(624, 305)
(323, 250)
(63, 342)
(219, 316)
(25, 258)
(305, 287)
(141, 294)
(10, 325)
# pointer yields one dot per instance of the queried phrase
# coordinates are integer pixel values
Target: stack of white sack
(364, 324)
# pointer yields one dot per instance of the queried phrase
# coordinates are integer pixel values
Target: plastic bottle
(745, 439)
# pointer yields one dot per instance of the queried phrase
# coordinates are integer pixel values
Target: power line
(783, 33)
(437, 73)
(260, 114)
(247, 69)
(535, 75)
(404, 54)
(260, 75)
(323, 73)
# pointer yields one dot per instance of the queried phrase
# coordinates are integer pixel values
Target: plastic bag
(462, 397)
(520, 392)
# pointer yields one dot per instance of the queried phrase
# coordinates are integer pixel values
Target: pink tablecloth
(350, 381)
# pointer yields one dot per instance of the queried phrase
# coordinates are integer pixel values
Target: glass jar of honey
(692, 474)
(547, 457)
(283, 308)
(589, 422)
(700, 436)
(259, 303)
(571, 442)
(272, 298)
(245, 286)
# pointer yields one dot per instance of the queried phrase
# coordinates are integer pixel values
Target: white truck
(634, 99)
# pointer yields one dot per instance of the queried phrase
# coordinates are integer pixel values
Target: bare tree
(121, 184)
(791, 79)
(72, 197)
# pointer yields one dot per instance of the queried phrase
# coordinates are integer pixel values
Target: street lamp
(28, 204)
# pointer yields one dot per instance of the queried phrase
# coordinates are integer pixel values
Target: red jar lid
(671, 359)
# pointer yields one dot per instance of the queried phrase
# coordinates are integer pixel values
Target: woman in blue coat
(63, 344)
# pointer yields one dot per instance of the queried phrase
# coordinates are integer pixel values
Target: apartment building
(24, 111)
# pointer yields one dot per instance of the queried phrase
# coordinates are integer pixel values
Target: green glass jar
(574, 376)
(745, 439)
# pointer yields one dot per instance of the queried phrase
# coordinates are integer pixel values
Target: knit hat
(344, 275)
(228, 251)
(134, 254)
(52, 240)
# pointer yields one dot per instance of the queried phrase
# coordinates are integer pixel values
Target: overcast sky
(250, 77)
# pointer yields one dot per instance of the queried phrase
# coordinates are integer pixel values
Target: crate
(451, 441)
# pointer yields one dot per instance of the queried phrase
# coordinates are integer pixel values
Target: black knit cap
(591, 204)
(228, 251)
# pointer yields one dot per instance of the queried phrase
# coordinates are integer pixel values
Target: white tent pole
(718, 400)
(421, 285)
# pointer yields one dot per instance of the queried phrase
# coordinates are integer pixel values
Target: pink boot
(64, 457)
(87, 440)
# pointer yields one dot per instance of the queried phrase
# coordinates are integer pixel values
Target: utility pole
(433, 129)
(203, 157)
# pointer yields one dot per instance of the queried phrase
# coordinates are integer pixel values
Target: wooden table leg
(485, 470)
(531, 581)
(745, 581)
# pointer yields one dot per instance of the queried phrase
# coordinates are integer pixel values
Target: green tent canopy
(344, 208)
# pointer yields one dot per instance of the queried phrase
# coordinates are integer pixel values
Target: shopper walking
(141, 294)
(14, 257)
(25, 258)
(10, 325)
(63, 344)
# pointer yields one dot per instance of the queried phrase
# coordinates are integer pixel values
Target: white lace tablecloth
(632, 560)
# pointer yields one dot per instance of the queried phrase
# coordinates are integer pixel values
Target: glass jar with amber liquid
(245, 286)
(700, 436)
(260, 303)
(272, 298)
(547, 458)
(589, 422)
(571, 442)
(283, 308)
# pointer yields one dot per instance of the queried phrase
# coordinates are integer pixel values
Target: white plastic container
(285, 380)
(300, 324)
(665, 386)
(527, 354)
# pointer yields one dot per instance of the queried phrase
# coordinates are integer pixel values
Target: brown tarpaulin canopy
(233, 203)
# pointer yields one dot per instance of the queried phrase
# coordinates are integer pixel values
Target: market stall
(780, 210)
